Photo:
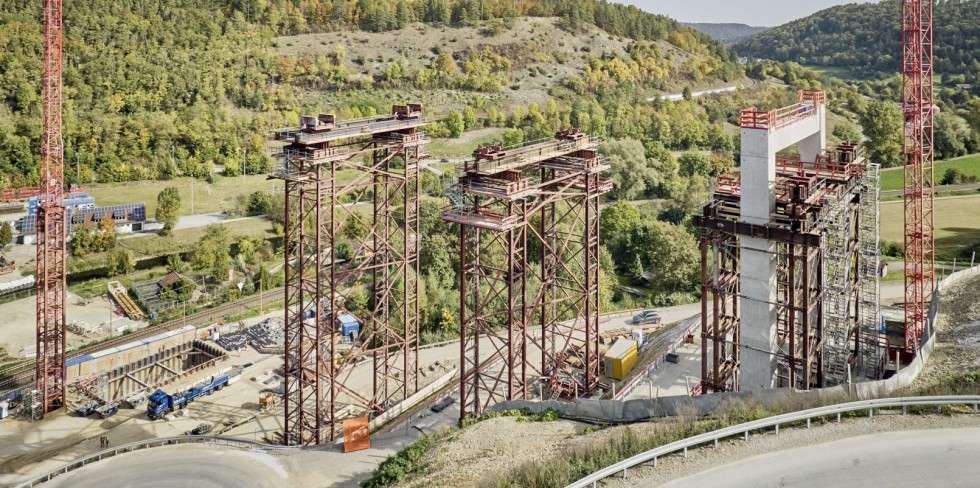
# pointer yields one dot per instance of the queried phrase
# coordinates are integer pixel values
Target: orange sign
(357, 435)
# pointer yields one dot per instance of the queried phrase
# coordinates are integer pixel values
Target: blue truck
(160, 403)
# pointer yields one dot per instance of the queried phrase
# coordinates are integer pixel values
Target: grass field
(207, 197)
(182, 240)
(957, 225)
(463, 146)
(894, 178)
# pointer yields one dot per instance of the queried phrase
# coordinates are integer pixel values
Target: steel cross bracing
(719, 303)
(557, 184)
(352, 247)
(800, 332)
(826, 274)
(51, 224)
(917, 89)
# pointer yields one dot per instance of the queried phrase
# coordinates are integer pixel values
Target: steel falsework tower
(50, 363)
(917, 89)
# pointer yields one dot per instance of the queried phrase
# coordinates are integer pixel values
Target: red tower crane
(51, 225)
(917, 108)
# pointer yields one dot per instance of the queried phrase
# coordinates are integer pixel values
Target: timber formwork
(543, 196)
(351, 186)
(827, 266)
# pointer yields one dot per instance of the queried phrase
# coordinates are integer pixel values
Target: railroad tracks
(24, 372)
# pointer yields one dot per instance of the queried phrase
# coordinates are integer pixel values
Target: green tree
(179, 291)
(882, 125)
(973, 115)
(616, 224)
(168, 208)
(631, 175)
(469, 118)
(694, 164)
(952, 136)
(686, 94)
(671, 253)
(846, 132)
(211, 253)
(119, 262)
(513, 137)
(175, 264)
(6, 235)
(259, 203)
(455, 123)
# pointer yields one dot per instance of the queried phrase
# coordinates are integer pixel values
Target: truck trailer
(160, 403)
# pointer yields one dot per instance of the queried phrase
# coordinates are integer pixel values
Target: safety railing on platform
(809, 100)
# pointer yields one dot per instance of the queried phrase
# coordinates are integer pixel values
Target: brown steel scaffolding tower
(501, 191)
(332, 169)
(826, 273)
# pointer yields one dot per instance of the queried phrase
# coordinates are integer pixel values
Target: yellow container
(620, 359)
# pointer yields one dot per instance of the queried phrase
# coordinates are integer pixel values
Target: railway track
(22, 373)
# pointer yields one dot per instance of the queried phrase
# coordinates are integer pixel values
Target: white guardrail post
(771, 422)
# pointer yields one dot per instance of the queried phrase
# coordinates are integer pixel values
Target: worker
(106, 441)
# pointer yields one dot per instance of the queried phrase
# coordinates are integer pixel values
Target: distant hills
(865, 39)
(728, 34)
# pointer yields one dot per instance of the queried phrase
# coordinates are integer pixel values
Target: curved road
(940, 457)
(182, 465)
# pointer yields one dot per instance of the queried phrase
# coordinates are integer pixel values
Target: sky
(764, 13)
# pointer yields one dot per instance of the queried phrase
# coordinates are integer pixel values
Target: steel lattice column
(303, 359)
(719, 311)
(569, 303)
(51, 222)
(493, 316)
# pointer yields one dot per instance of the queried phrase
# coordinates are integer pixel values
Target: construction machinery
(160, 403)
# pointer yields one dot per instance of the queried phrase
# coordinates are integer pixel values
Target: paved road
(185, 465)
(941, 457)
(673, 97)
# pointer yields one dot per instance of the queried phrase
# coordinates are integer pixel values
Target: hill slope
(728, 34)
(176, 88)
(866, 37)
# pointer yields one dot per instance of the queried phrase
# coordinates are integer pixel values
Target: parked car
(647, 317)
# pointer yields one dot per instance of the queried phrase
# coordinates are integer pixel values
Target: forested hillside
(157, 89)
(865, 39)
(728, 34)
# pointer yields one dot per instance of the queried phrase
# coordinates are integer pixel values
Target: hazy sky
(753, 12)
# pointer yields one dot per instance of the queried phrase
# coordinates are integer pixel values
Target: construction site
(790, 293)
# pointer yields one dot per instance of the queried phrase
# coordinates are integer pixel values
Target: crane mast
(917, 110)
(51, 223)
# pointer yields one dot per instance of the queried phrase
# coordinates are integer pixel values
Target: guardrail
(145, 444)
(772, 422)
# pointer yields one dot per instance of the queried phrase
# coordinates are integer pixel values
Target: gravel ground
(489, 447)
(676, 466)
(957, 333)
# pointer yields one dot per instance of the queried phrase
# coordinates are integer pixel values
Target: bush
(892, 248)
(119, 262)
(395, 468)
